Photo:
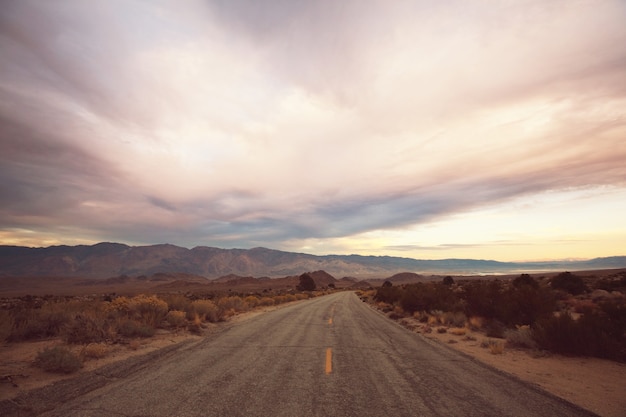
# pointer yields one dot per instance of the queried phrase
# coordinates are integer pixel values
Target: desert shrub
(524, 304)
(496, 347)
(195, 325)
(150, 310)
(388, 294)
(525, 280)
(207, 310)
(521, 337)
(475, 323)
(58, 359)
(119, 306)
(455, 319)
(95, 351)
(425, 297)
(29, 324)
(302, 296)
(266, 301)
(233, 303)
(177, 302)
(134, 328)
(176, 318)
(613, 283)
(86, 329)
(290, 297)
(251, 301)
(594, 334)
(569, 282)
(494, 328)
(481, 298)
(448, 280)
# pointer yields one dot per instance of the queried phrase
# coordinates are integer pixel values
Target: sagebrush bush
(207, 310)
(134, 328)
(455, 319)
(150, 310)
(521, 337)
(569, 282)
(266, 301)
(176, 318)
(597, 333)
(251, 301)
(58, 359)
(85, 329)
(176, 302)
(232, 303)
(494, 328)
(29, 324)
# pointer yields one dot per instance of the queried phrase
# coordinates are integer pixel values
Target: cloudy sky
(426, 129)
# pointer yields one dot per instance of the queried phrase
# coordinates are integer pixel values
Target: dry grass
(475, 323)
(458, 331)
(95, 351)
(521, 337)
(496, 347)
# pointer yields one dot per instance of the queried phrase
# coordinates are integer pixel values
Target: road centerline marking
(329, 361)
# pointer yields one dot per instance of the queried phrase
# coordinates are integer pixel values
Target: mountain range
(114, 259)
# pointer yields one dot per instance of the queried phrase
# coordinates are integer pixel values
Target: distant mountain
(106, 260)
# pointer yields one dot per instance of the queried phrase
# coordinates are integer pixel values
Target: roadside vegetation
(89, 327)
(567, 314)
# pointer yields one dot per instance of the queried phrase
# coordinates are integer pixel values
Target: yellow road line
(329, 361)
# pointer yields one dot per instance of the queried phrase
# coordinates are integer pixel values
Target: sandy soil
(595, 384)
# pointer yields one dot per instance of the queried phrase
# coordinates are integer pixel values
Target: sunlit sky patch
(492, 130)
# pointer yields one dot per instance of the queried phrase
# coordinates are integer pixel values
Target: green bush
(58, 359)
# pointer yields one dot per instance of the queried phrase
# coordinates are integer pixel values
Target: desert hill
(106, 260)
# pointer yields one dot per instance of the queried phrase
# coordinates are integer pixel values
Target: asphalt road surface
(329, 356)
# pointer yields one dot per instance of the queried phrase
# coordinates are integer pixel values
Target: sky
(425, 129)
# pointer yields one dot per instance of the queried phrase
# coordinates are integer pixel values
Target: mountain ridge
(108, 259)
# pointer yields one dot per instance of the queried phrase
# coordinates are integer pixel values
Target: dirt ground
(595, 384)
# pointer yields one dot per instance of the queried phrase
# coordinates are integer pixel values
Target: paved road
(330, 356)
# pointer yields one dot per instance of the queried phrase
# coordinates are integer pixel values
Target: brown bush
(207, 310)
(58, 359)
(86, 329)
(176, 318)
